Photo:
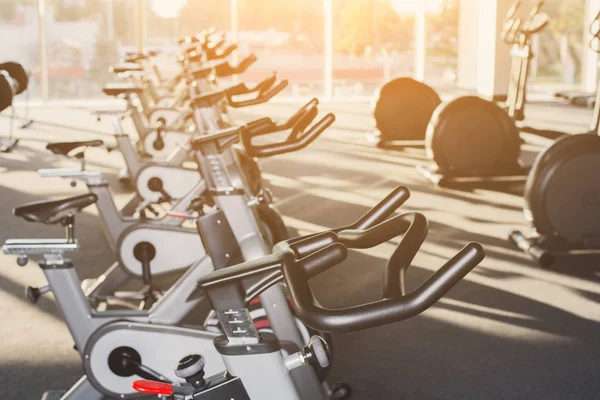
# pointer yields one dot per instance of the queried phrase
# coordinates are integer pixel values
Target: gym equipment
(403, 107)
(474, 142)
(158, 142)
(119, 346)
(175, 247)
(562, 192)
(255, 365)
(13, 81)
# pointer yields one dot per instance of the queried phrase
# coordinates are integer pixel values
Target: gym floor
(510, 330)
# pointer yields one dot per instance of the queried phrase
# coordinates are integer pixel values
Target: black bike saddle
(43, 211)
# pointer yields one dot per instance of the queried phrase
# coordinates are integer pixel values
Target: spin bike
(256, 368)
(175, 247)
(122, 345)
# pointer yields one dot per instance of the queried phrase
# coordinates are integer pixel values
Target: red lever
(153, 387)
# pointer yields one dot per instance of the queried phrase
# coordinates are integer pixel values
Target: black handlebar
(290, 144)
(381, 211)
(226, 69)
(298, 260)
(215, 54)
(382, 312)
(297, 122)
(264, 93)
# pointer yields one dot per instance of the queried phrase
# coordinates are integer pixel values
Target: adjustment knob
(191, 368)
(22, 260)
(317, 352)
(33, 294)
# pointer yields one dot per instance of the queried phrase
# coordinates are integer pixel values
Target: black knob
(191, 368)
(33, 294)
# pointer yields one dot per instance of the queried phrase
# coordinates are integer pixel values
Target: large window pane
(287, 37)
(19, 35)
(84, 38)
(194, 16)
(560, 47)
(374, 40)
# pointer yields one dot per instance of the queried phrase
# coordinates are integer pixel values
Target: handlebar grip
(324, 259)
(259, 125)
(301, 113)
(227, 52)
(304, 120)
(311, 244)
(264, 86)
(381, 211)
(445, 278)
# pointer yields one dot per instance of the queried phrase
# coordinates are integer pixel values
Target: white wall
(484, 60)
(468, 42)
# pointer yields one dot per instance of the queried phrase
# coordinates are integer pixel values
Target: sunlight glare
(412, 6)
(167, 8)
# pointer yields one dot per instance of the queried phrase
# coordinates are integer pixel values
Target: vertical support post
(140, 24)
(43, 50)
(420, 40)
(235, 32)
(493, 55)
(468, 44)
(590, 58)
(110, 20)
(328, 48)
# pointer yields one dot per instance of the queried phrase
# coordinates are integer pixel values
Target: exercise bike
(562, 192)
(120, 345)
(255, 365)
(175, 247)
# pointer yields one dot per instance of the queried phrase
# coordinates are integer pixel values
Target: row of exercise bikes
(266, 336)
(473, 143)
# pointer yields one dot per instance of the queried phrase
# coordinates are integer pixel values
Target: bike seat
(64, 148)
(126, 67)
(43, 211)
(116, 89)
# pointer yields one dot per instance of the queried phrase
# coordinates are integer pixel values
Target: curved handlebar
(382, 312)
(226, 69)
(264, 94)
(289, 145)
(298, 260)
(214, 54)
(298, 122)
(381, 211)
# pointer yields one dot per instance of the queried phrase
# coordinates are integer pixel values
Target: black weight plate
(403, 108)
(471, 136)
